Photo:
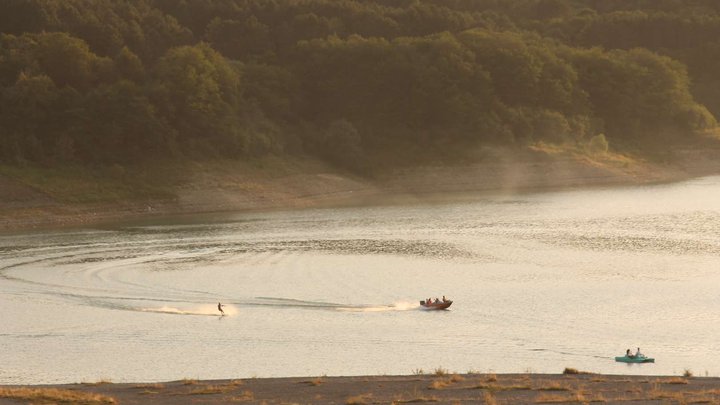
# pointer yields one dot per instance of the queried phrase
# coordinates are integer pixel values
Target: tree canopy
(105, 82)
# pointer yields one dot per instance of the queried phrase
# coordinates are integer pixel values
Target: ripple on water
(542, 282)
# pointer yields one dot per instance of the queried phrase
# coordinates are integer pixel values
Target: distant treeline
(353, 82)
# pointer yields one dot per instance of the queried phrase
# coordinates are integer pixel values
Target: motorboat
(435, 304)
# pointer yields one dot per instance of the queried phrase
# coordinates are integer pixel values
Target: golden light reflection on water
(540, 282)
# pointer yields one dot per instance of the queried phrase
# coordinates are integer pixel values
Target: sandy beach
(437, 388)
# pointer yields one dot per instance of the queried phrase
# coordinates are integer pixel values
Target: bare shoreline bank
(212, 190)
(438, 388)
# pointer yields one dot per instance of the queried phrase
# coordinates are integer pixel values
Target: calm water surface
(540, 282)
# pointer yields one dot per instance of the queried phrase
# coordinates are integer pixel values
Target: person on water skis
(220, 308)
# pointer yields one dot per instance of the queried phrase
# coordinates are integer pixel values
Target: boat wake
(569, 353)
(294, 303)
(398, 306)
(206, 310)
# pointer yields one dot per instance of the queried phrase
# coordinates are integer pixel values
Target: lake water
(540, 282)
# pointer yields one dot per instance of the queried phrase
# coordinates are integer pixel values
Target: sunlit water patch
(540, 282)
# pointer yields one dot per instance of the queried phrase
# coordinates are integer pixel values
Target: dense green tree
(123, 126)
(38, 120)
(513, 66)
(16, 55)
(19, 16)
(639, 92)
(342, 145)
(69, 62)
(129, 66)
(106, 82)
(195, 88)
(239, 39)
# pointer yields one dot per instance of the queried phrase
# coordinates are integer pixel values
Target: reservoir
(540, 282)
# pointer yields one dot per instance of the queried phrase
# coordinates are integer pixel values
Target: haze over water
(540, 282)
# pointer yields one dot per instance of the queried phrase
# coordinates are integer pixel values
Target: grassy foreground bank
(36, 197)
(438, 388)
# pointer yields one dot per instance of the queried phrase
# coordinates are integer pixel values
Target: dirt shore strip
(439, 388)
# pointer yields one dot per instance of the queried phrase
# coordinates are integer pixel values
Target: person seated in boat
(628, 354)
(444, 300)
(638, 354)
(437, 300)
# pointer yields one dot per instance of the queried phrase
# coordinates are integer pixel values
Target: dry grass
(678, 397)
(246, 395)
(415, 400)
(495, 387)
(551, 399)
(55, 395)
(101, 382)
(517, 388)
(715, 392)
(579, 397)
(588, 396)
(314, 382)
(573, 371)
(559, 398)
(491, 378)
(608, 159)
(674, 380)
(489, 398)
(156, 386)
(705, 397)
(211, 389)
(456, 378)
(554, 386)
(189, 381)
(415, 397)
(362, 399)
(441, 371)
(438, 384)
(634, 389)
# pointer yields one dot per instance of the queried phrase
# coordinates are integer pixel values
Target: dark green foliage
(341, 145)
(68, 61)
(639, 93)
(127, 128)
(129, 66)
(111, 82)
(239, 39)
(196, 89)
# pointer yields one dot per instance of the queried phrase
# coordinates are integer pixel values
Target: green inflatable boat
(635, 359)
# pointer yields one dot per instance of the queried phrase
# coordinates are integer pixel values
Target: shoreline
(439, 388)
(236, 187)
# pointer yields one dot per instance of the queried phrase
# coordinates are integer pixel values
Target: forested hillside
(355, 83)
